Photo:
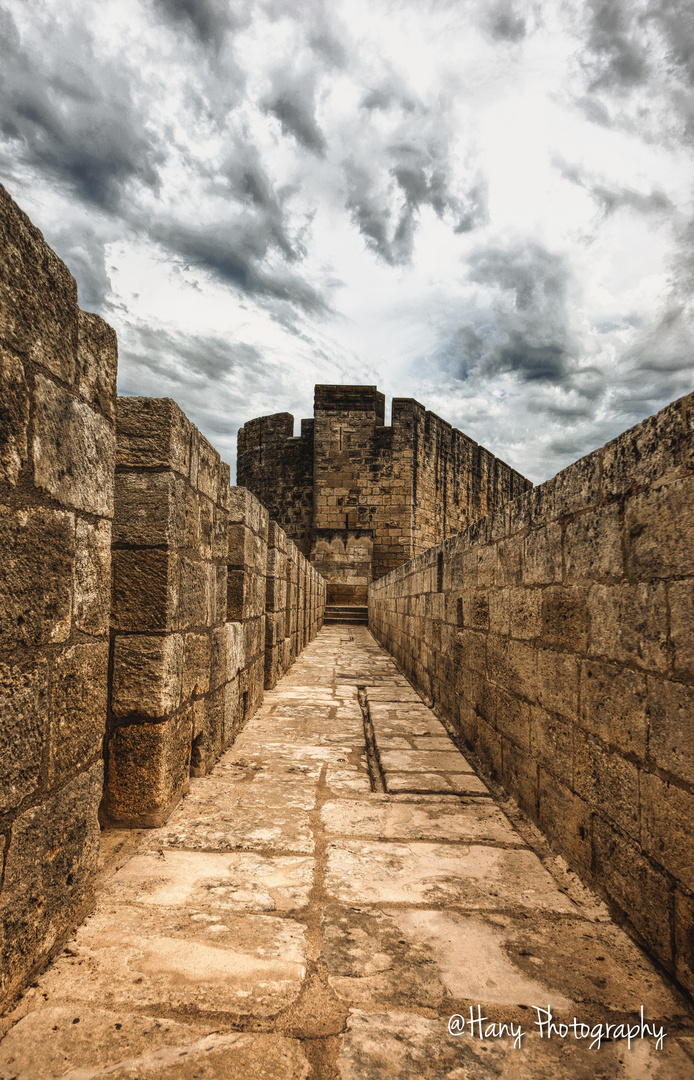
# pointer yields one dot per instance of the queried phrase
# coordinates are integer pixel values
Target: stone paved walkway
(314, 911)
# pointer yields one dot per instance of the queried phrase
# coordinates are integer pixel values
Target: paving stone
(402, 1046)
(424, 761)
(462, 783)
(52, 1041)
(168, 958)
(427, 820)
(471, 876)
(230, 882)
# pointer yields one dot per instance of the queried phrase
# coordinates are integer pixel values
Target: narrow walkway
(316, 911)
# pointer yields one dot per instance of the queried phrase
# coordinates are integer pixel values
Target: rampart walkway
(314, 910)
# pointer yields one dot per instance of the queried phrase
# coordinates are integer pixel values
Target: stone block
(147, 772)
(473, 650)
(38, 296)
(153, 433)
(97, 363)
(14, 410)
(148, 675)
(92, 569)
(218, 594)
(49, 868)
(613, 706)
(233, 713)
(37, 555)
(551, 744)
(684, 937)
(638, 887)
(476, 609)
(509, 561)
(79, 695)
(209, 469)
(219, 534)
(145, 509)
(197, 659)
(566, 821)
(519, 776)
(195, 600)
(24, 705)
(557, 682)
(235, 656)
(524, 606)
(681, 600)
(206, 511)
(74, 450)
(671, 735)
(145, 590)
(208, 728)
(653, 450)
(187, 516)
(512, 716)
(512, 665)
(608, 782)
(667, 813)
(593, 546)
(542, 556)
(628, 623)
(578, 486)
(564, 619)
(659, 527)
(218, 663)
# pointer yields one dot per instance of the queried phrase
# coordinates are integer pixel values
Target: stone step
(347, 613)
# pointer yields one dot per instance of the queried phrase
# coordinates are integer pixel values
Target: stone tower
(360, 498)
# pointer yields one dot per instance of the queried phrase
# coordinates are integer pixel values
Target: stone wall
(556, 637)
(183, 666)
(362, 497)
(199, 602)
(57, 444)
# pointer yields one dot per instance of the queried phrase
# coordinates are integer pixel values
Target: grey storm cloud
(292, 101)
(503, 21)
(527, 330)
(235, 253)
(617, 43)
(209, 20)
(76, 118)
(614, 197)
(412, 171)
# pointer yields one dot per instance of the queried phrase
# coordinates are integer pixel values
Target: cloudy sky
(486, 205)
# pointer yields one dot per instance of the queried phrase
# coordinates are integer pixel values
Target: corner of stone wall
(57, 443)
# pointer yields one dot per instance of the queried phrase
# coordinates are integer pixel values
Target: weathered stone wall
(362, 497)
(278, 469)
(284, 611)
(174, 659)
(57, 444)
(199, 598)
(556, 636)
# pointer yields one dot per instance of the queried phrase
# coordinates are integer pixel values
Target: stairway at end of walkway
(323, 903)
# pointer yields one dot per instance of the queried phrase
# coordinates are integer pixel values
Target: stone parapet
(555, 638)
(57, 446)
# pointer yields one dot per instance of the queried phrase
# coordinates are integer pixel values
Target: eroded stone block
(14, 409)
(24, 704)
(37, 552)
(74, 450)
(148, 674)
(79, 692)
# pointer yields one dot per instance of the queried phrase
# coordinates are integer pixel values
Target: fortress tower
(360, 498)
